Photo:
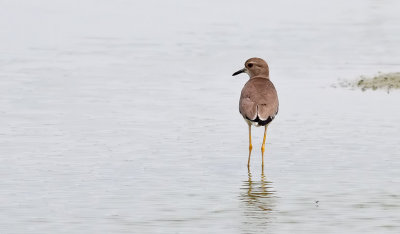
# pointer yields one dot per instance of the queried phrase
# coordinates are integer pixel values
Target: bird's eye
(250, 65)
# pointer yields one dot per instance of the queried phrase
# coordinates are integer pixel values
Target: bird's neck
(260, 76)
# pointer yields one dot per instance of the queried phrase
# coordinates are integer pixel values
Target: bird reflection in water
(258, 199)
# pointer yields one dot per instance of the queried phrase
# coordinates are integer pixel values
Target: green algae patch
(382, 81)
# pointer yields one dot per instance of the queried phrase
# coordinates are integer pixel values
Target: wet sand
(382, 81)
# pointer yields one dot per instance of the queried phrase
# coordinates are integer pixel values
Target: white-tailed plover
(258, 102)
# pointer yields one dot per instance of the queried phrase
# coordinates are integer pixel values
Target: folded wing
(259, 101)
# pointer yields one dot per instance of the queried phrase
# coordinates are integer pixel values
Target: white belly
(252, 123)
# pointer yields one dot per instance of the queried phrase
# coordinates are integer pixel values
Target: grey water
(122, 117)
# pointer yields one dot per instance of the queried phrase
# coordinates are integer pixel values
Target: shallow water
(122, 117)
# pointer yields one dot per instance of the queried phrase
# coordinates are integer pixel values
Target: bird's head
(255, 67)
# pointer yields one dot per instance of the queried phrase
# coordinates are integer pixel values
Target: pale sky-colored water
(122, 117)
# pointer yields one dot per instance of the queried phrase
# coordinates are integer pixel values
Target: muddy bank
(382, 81)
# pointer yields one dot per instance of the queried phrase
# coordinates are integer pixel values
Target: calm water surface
(122, 117)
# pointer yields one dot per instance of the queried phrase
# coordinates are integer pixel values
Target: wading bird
(258, 102)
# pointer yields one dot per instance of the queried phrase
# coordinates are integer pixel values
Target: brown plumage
(258, 102)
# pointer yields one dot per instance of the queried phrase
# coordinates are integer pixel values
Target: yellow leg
(250, 147)
(263, 146)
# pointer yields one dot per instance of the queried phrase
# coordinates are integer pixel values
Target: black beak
(240, 71)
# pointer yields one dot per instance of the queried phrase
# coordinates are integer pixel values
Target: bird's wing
(247, 107)
(258, 99)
